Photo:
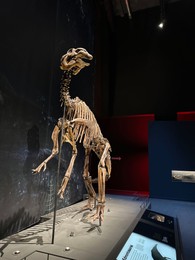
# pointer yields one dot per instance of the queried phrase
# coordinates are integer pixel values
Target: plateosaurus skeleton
(79, 124)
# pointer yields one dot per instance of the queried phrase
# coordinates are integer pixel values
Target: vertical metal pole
(57, 178)
(59, 158)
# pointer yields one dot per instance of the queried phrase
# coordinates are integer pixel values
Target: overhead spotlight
(161, 25)
(162, 14)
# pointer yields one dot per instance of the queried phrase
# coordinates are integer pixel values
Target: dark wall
(153, 69)
(34, 36)
(171, 147)
(149, 71)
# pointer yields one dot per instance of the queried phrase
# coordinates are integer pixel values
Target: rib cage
(87, 130)
(83, 132)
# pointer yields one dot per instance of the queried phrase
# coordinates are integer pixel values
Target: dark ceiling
(127, 7)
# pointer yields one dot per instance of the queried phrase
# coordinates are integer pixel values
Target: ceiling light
(162, 14)
(161, 25)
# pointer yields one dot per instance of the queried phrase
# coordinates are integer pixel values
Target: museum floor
(79, 240)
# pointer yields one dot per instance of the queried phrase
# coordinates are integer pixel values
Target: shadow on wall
(20, 219)
(28, 98)
(23, 127)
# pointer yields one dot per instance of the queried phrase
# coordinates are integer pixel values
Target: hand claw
(34, 171)
(39, 168)
(108, 177)
(61, 197)
(44, 166)
(61, 194)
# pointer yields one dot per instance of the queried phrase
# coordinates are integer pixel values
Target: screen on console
(139, 247)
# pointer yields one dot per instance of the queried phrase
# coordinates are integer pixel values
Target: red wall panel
(186, 116)
(128, 136)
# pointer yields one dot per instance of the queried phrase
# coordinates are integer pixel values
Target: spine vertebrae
(64, 88)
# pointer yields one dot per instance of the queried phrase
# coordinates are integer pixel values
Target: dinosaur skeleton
(79, 124)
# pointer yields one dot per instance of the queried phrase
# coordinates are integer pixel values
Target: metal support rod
(57, 178)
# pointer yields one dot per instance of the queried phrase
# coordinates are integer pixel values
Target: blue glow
(143, 248)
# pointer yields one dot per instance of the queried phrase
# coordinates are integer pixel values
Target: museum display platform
(132, 229)
(75, 238)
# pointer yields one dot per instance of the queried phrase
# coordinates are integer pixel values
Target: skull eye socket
(80, 49)
(69, 59)
(70, 50)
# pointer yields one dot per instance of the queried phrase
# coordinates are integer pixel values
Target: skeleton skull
(74, 60)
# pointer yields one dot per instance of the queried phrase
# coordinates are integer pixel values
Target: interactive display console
(154, 237)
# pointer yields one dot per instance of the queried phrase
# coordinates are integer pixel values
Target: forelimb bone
(68, 137)
(55, 150)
